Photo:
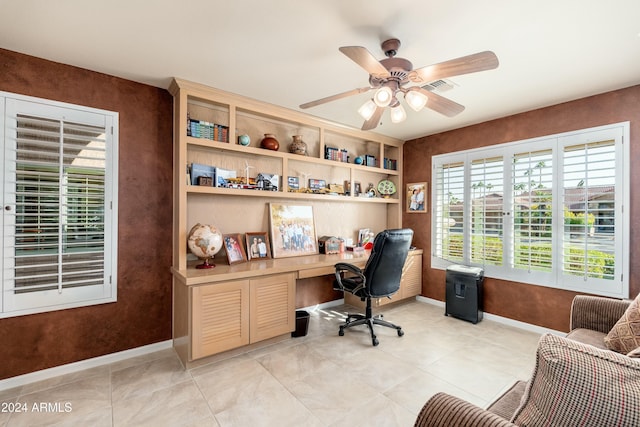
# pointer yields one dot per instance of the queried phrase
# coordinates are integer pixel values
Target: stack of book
(207, 130)
(391, 164)
(370, 160)
(339, 155)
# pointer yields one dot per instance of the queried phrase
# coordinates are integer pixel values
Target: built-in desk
(232, 306)
(302, 266)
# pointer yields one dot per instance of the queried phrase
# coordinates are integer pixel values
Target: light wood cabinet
(220, 317)
(232, 314)
(410, 283)
(273, 306)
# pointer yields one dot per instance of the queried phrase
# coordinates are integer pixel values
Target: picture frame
(416, 201)
(293, 182)
(233, 247)
(293, 230)
(317, 184)
(258, 245)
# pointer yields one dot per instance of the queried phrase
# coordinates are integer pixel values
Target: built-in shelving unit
(243, 304)
(244, 116)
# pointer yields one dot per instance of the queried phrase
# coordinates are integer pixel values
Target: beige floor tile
(66, 404)
(247, 394)
(417, 389)
(146, 378)
(321, 379)
(179, 405)
(295, 362)
(379, 369)
(381, 411)
(330, 400)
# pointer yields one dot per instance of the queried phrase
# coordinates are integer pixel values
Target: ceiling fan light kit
(367, 109)
(392, 76)
(383, 96)
(398, 114)
(415, 99)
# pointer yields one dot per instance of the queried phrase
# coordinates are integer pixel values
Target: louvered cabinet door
(273, 306)
(220, 317)
(411, 282)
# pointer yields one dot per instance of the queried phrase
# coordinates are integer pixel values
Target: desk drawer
(315, 272)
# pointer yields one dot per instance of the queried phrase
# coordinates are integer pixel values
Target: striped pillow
(576, 384)
(625, 334)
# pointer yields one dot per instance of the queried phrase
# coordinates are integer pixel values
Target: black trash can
(464, 292)
(302, 324)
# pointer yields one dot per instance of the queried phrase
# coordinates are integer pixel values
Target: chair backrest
(384, 267)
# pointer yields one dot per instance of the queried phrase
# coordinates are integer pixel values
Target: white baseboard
(500, 319)
(45, 374)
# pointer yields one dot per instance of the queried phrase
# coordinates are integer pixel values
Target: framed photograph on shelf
(293, 182)
(417, 197)
(357, 189)
(233, 246)
(317, 184)
(258, 245)
(293, 230)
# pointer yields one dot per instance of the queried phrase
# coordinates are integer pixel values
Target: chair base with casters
(369, 320)
(380, 278)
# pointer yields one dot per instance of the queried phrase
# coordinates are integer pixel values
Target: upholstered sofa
(577, 379)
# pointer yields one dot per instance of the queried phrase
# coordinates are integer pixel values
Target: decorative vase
(298, 146)
(270, 142)
(244, 140)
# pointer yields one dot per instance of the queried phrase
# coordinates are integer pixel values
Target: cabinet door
(220, 317)
(411, 282)
(273, 306)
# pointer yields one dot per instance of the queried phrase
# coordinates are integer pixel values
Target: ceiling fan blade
(366, 60)
(441, 104)
(335, 97)
(481, 61)
(374, 120)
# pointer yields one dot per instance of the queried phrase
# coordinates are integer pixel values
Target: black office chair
(379, 278)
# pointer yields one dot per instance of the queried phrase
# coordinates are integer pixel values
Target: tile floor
(321, 379)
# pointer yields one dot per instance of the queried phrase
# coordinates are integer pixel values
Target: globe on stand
(204, 242)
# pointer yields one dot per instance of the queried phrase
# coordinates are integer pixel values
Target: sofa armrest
(444, 410)
(596, 313)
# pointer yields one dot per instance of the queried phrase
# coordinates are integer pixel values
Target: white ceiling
(286, 52)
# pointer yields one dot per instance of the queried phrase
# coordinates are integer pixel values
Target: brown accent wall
(537, 305)
(142, 314)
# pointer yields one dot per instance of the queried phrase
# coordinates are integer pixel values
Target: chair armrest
(357, 280)
(596, 313)
(444, 410)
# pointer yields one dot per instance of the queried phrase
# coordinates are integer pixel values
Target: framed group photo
(258, 245)
(233, 246)
(293, 230)
(417, 197)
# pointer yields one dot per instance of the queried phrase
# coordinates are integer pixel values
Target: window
(59, 205)
(547, 211)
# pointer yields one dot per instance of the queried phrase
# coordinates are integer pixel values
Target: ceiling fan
(392, 76)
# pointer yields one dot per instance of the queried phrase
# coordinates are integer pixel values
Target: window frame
(556, 278)
(13, 303)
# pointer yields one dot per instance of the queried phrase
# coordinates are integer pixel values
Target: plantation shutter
(449, 211)
(532, 181)
(58, 207)
(589, 199)
(486, 210)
